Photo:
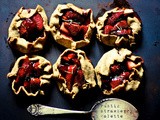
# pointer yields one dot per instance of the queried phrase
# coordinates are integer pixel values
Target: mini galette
(27, 31)
(71, 26)
(119, 69)
(74, 72)
(118, 27)
(30, 75)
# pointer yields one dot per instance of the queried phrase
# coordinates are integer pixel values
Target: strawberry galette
(118, 27)
(27, 31)
(30, 75)
(72, 26)
(119, 69)
(74, 72)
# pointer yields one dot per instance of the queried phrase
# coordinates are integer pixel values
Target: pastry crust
(21, 44)
(46, 74)
(64, 40)
(88, 80)
(133, 21)
(103, 68)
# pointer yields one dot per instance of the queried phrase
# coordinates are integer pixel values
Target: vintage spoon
(106, 109)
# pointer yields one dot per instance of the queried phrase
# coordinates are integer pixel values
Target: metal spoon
(106, 109)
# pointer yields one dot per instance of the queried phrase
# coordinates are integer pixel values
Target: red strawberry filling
(31, 28)
(74, 25)
(119, 72)
(117, 24)
(70, 70)
(28, 76)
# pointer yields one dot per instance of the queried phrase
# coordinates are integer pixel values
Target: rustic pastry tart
(30, 75)
(119, 69)
(71, 26)
(118, 27)
(27, 31)
(74, 72)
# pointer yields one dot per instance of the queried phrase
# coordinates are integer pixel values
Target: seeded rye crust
(114, 40)
(108, 59)
(44, 65)
(88, 71)
(64, 40)
(22, 44)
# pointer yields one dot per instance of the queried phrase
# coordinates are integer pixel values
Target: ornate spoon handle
(38, 109)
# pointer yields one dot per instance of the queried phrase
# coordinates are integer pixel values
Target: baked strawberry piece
(32, 28)
(119, 69)
(30, 75)
(28, 30)
(118, 27)
(73, 72)
(72, 26)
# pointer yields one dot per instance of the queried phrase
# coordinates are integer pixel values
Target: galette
(71, 26)
(119, 27)
(28, 30)
(119, 70)
(74, 72)
(30, 75)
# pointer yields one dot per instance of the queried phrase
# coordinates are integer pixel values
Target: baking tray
(145, 99)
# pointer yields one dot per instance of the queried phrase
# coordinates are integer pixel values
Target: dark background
(146, 99)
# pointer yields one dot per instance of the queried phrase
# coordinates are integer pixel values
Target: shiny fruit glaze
(31, 28)
(70, 70)
(28, 75)
(119, 72)
(74, 25)
(117, 24)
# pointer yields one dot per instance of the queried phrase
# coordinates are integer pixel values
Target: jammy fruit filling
(116, 24)
(119, 72)
(28, 76)
(74, 25)
(31, 28)
(70, 69)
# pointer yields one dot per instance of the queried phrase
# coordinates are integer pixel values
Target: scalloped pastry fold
(133, 22)
(64, 40)
(103, 68)
(45, 76)
(21, 44)
(85, 66)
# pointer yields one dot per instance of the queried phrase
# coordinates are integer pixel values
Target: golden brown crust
(88, 72)
(21, 44)
(109, 58)
(64, 40)
(115, 40)
(45, 77)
